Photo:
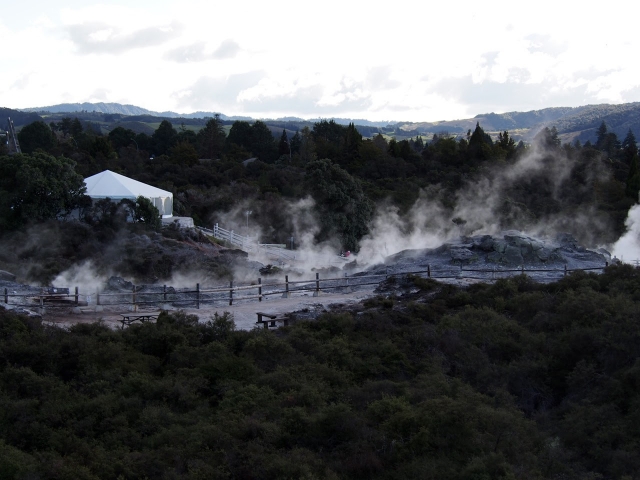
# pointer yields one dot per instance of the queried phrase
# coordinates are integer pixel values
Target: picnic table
(129, 318)
(269, 319)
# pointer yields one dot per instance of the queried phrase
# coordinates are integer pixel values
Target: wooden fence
(223, 295)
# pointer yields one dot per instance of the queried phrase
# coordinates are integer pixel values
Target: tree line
(211, 170)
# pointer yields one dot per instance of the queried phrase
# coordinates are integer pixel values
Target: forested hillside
(504, 381)
(573, 123)
(510, 380)
(327, 184)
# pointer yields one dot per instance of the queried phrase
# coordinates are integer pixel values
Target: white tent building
(111, 185)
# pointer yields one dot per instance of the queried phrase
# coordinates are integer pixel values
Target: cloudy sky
(400, 60)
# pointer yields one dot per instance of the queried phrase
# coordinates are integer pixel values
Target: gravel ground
(244, 312)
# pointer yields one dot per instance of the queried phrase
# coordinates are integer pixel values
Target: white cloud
(426, 62)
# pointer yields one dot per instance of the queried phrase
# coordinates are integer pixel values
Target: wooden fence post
(133, 297)
(6, 296)
(231, 292)
(259, 289)
(164, 293)
(76, 296)
(286, 293)
(428, 271)
(523, 268)
(97, 296)
(565, 270)
(198, 296)
(317, 292)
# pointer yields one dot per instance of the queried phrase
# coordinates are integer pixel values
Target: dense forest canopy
(326, 186)
(204, 168)
(503, 381)
(509, 380)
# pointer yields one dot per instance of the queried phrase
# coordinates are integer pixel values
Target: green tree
(283, 145)
(329, 138)
(296, 142)
(183, 153)
(307, 147)
(548, 138)
(146, 212)
(417, 144)
(342, 207)
(480, 144)
(211, 139)
(629, 148)
(240, 134)
(633, 179)
(122, 137)
(607, 141)
(352, 144)
(506, 144)
(163, 138)
(101, 146)
(37, 187)
(262, 142)
(36, 135)
(76, 129)
(65, 125)
(601, 136)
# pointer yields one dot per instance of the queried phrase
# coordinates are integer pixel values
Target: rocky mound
(510, 249)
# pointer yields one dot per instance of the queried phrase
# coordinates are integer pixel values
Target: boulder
(536, 245)
(494, 257)
(546, 254)
(500, 246)
(518, 240)
(512, 255)
(484, 243)
(462, 255)
(568, 242)
(119, 284)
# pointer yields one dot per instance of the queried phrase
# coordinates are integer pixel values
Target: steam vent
(509, 249)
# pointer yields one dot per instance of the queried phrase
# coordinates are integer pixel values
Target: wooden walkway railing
(250, 244)
(223, 295)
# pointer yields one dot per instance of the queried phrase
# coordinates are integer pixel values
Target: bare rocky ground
(303, 306)
(464, 261)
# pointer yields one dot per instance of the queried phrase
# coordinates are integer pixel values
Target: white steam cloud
(627, 248)
(484, 206)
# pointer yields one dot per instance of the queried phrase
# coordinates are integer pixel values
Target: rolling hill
(572, 123)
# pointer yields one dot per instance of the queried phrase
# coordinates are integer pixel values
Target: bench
(269, 319)
(129, 318)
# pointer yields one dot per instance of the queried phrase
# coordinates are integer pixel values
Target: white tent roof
(113, 185)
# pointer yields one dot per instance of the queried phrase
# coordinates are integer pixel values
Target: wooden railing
(228, 294)
(250, 244)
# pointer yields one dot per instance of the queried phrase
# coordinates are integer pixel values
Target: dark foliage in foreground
(511, 380)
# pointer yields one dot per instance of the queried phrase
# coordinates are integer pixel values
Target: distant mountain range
(117, 108)
(572, 123)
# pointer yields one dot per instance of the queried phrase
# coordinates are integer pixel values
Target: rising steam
(627, 248)
(481, 207)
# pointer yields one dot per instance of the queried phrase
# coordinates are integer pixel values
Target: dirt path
(244, 312)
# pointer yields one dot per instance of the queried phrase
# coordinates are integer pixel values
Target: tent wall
(164, 205)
